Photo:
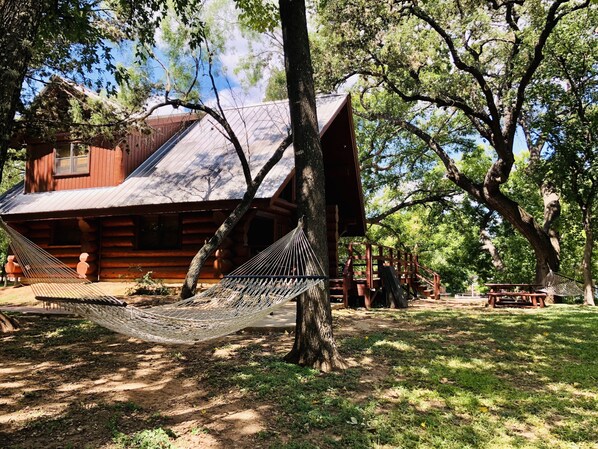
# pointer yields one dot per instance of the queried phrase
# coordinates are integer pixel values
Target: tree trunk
(314, 344)
(588, 282)
(8, 324)
(19, 22)
(488, 244)
(190, 285)
(542, 243)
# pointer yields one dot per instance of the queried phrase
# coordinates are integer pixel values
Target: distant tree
(572, 127)
(445, 71)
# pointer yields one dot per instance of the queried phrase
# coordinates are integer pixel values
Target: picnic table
(515, 295)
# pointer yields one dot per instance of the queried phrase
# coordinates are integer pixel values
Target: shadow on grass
(431, 379)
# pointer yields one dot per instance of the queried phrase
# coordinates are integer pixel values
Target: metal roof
(197, 165)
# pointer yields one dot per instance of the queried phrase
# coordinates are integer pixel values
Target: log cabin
(150, 204)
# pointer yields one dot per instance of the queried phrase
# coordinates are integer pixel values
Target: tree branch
(552, 19)
(460, 64)
(439, 197)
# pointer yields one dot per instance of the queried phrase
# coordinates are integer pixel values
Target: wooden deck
(362, 280)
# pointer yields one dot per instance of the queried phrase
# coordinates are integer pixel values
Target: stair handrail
(407, 264)
(434, 282)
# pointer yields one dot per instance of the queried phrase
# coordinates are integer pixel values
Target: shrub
(148, 285)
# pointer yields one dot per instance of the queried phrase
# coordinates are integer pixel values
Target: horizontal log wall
(40, 232)
(121, 260)
(113, 254)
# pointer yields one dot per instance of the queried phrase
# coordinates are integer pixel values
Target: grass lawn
(442, 378)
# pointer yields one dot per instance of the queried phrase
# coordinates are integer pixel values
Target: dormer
(56, 161)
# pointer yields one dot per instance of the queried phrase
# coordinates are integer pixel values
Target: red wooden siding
(107, 166)
(38, 169)
(139, 146)
(102, 173)
(332, 225)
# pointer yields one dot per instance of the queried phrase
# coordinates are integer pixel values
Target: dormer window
(71, 158)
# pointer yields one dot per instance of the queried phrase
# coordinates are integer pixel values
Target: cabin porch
(371, 272)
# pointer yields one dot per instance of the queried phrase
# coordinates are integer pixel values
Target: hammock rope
(560, 285)
(281, 272)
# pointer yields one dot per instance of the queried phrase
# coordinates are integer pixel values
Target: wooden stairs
(362, 280)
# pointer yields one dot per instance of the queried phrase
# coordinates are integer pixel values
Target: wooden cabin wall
(40, 232)
(102, 173)
(107, 166)
(39, 169)
(121, 260)
(113, 254)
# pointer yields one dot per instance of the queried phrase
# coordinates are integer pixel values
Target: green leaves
(258, 15)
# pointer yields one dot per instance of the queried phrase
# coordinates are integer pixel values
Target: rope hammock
(560, 285)
(281, 272)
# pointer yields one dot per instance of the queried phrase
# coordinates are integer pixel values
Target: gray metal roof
(196, 165)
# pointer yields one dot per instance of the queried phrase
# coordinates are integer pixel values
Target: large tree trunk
(8, 324)
(542, 241)
(19, 22)
(588, 282)
(314, 344)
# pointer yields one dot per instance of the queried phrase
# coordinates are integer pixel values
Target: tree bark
(314, 344)
(8, 324)
(488, 244)
(588, 282)
(19, 23)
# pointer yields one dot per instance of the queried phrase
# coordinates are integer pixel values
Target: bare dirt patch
(67, 383)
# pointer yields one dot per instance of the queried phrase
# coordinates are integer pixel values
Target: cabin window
(159, 232)
(288, 193)
(66, 233)
(260, 234)
(71, 158)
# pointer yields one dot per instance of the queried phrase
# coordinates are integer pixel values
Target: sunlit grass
(423, 379)
(453, 379)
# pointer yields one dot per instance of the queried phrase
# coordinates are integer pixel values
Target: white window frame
(71, 167)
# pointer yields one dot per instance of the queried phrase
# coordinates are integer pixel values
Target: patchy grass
(462, 378)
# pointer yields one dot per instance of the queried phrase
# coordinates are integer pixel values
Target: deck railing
(362, 269)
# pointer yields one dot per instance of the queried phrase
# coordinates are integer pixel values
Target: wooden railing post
(369, 276)
(348, 277)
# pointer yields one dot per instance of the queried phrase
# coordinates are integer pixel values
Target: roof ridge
(272, 102)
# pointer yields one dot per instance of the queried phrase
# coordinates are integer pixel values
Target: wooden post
(369, 275)
(436, 286)
(13, 270)
(348, 277)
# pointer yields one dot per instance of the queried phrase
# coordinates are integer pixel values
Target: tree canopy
(452, 76)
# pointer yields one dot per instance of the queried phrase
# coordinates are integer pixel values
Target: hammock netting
(281, 272)
(559, 285)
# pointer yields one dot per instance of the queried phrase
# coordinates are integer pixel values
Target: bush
(148, 285)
